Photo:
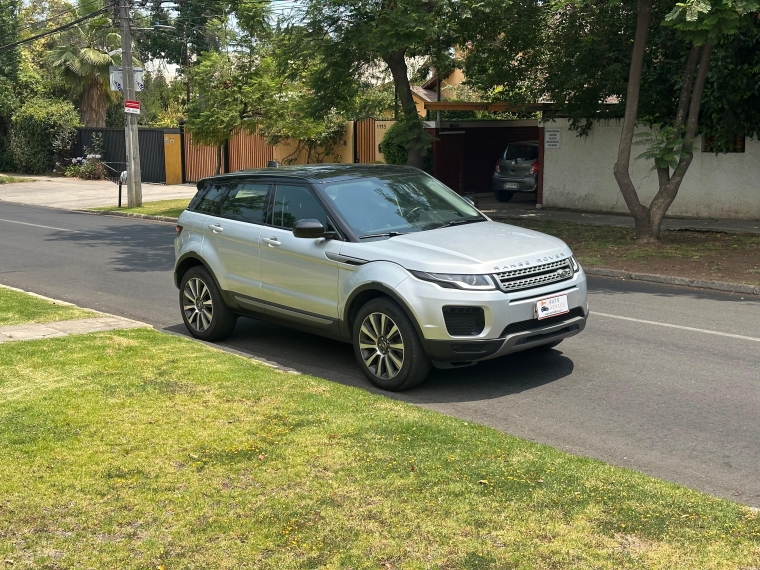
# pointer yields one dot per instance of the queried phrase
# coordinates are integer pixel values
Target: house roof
(426, 95)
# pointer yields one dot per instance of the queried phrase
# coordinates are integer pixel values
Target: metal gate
(151, 141)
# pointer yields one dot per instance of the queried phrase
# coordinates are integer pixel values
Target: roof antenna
(273, 164)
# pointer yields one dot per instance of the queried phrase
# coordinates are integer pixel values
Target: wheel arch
(362, 295)
(188, 261)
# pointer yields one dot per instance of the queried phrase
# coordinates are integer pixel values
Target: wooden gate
(365, 141)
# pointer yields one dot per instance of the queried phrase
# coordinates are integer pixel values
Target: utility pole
(134, 176)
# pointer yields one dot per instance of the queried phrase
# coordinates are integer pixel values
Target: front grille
(536, 276)
(464, 321)
(523, 326)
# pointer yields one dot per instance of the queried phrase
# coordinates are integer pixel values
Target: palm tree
(83, 60)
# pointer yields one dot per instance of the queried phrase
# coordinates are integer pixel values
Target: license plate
(552, 307)
(510, 184)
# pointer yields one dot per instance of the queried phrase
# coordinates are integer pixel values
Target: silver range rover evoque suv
(384, 257)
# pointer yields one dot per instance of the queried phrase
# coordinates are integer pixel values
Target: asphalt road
(663, 380)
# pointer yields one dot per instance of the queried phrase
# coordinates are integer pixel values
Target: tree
(701, 24)
(624, 59)
(355, 36)
(231, 92)
(81, 57)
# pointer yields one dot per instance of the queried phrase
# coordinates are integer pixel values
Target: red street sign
(132, 106)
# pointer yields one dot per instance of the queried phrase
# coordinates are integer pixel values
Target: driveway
(72, 193)
(663, 380)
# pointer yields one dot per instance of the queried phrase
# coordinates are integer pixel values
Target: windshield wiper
(459, 223)
(387, 234)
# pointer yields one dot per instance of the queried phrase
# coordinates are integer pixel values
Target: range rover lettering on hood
(527, 263)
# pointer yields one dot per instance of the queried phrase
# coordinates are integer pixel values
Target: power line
(56, 30)
(50, 17)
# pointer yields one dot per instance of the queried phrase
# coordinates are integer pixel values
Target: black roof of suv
(320, 172)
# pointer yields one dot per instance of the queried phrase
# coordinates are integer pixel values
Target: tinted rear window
(209, 203)
(521, 151)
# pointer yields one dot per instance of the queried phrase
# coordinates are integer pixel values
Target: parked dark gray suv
(516, 170)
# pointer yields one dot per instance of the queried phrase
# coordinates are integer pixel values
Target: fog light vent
(464, 321)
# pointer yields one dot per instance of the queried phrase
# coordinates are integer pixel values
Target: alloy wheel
(381, 345)
(197, 305)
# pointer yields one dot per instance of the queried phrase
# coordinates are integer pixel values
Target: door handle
(217, 229)
(271, 242)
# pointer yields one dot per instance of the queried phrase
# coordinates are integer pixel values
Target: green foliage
(161, 101)
(731, 102)
(663, 146)
(34, 128)
(396, 143)
(230, 94)
(81, 57)
(352, 37)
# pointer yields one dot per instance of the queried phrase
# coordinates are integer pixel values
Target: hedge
(42, 133)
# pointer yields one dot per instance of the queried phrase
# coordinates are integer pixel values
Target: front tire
(503, 196)
(387, 347)
(204, 312)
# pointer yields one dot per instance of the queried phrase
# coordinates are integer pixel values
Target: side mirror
(309, 228)
(471, 201)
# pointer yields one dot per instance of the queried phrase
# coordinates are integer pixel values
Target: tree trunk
(668, 191)
(639, 212)
(94, 102)
(397, 64)
(218, 169)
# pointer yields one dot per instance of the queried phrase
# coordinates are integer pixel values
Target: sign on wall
(117, 79)
(552, 138)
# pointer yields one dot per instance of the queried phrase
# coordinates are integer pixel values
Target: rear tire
(503, 196)
(387, 347)
(204, 312)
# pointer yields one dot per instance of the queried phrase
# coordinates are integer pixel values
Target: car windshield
(521, 151)
(399, 204)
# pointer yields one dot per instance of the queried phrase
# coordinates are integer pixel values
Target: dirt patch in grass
(135, 449)
(701, 255)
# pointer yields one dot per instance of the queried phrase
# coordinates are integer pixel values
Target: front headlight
(574, 263)
(450, 281)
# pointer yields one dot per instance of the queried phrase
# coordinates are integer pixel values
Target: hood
(483, 247)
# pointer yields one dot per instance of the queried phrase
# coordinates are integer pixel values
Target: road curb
(128, 215)
(668, 280)
(219, 347)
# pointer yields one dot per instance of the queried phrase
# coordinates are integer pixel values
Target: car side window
(293, 203)
(245, 202)
(209, 204)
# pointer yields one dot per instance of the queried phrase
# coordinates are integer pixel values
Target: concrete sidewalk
(523, 207)
(73, 194)
(34, 331)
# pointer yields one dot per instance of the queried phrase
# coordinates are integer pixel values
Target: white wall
(578, 175)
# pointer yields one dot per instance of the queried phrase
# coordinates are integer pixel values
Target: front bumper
(509, 318)
(471, 351)
(524, 183)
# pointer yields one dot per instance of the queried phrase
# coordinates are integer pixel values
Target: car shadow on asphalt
(334, 360)
(139, 246)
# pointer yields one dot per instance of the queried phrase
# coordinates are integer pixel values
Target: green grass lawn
(135, 449)
(7, 179)
(18, 308)
(168, 208)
